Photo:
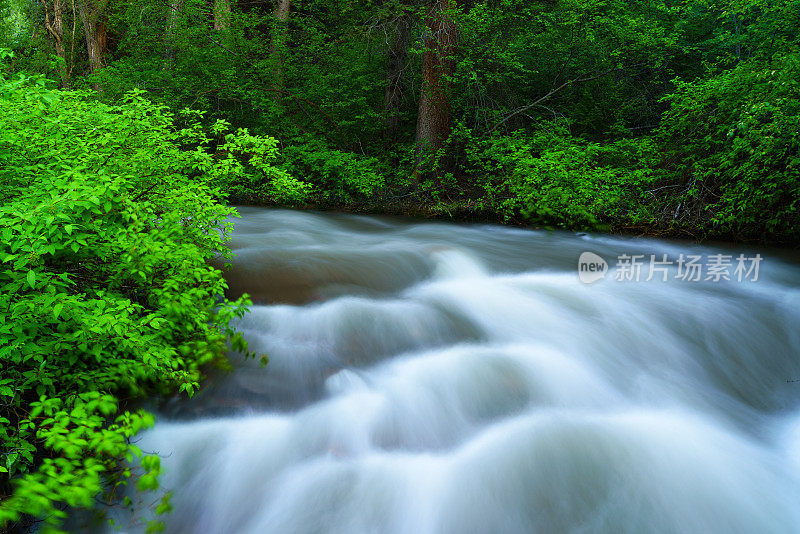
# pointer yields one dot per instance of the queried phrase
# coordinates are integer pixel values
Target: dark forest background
(654, 117)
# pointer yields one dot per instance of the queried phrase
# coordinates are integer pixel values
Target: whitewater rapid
(439, 378)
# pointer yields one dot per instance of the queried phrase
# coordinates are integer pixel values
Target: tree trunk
(282, 10)
(438, 67)
(395, 74)
(94, 43)
(55, 27)
(222, 15)
(175, 8)
(278, 42)
(94, 29)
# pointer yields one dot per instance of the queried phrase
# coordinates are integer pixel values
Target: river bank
(473, 213)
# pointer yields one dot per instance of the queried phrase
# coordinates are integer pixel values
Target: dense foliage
(672, 117)
(109, 216)
(735, 141)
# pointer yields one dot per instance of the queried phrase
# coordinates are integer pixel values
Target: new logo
(591, 268)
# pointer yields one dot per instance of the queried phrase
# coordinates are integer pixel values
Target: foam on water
(437, 379)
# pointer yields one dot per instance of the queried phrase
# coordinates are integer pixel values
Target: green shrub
(245, 171)
(553, 179)
(734, 140)
(338, 176)
(106, 292)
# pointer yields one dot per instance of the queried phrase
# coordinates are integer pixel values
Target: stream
(443, 378)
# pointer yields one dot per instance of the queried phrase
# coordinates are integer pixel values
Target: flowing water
(439, 378)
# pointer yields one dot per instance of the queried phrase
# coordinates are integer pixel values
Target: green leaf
(57, 309)
(32, 279)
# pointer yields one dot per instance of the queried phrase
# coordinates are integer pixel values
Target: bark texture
(54, 23)
(222, 15)
(438, 67)
(277, 45)
(175, 9)
(93, 13)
